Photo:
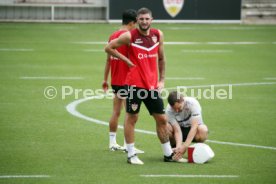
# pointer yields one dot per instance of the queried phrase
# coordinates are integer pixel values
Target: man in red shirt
(118, 75)
(146, 60)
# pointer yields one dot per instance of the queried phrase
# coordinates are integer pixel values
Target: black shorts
(151, 99)
(120, 91)
(185, 131)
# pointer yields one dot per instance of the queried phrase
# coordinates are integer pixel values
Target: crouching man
(185, 122)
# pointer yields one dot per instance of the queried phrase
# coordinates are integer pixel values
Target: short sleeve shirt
(191, 111)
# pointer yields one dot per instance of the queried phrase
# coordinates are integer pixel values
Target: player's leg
(138, 151)
(129, 127)
(117, 106)
(161, 127)
(155, 106)
(202, 133)
(163, 133)
(113, 123)
(171, 135)
(164, 137)
(133, 104)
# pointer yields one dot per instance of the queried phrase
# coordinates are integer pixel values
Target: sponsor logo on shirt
(145, 56)
(138, 41)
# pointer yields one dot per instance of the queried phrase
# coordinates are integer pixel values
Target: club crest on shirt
(173, 7)
(154, 39)
(134, 106)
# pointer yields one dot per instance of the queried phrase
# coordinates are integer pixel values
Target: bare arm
(110, 48)
(183, 148)
(106, 73)
(191, 133)
(161, 62)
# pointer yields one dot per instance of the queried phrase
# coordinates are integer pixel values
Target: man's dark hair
(144, 11)
(174, 97)
(128, 16)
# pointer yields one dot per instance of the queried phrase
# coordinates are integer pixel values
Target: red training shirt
(119, 69)
(143, 52)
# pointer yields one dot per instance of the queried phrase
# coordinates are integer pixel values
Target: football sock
(167, 149)
(125, 144)
(130, 149)
(112, 138)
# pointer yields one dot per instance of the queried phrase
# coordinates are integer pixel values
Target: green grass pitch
(38, 136)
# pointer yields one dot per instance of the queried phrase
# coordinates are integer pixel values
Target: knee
(202, 133)
(117, 114)
(131, 118)
(203, 128)
(161, 120)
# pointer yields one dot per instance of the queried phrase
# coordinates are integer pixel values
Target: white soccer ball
(202, 153)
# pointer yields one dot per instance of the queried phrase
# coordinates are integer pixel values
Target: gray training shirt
(191, 111)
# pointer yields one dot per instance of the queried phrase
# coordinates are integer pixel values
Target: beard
(144, 29)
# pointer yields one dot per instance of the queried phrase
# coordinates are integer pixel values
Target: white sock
(130, 149)
(112, 138)
(125, 144)
(167, 149)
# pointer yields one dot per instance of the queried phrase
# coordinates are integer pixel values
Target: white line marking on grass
(235, 43)
(243, 145)
(23, 176)
(50, 78)
(207, 51)
(91, 43)
(207, 28)
(270, 78)
(15, 50)
(185, 78)
(183, 43)
(93, 50)
(72, 109)
(216, 43)
(189, 43)
(187, 176)
(226, 85)
(214, 28)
